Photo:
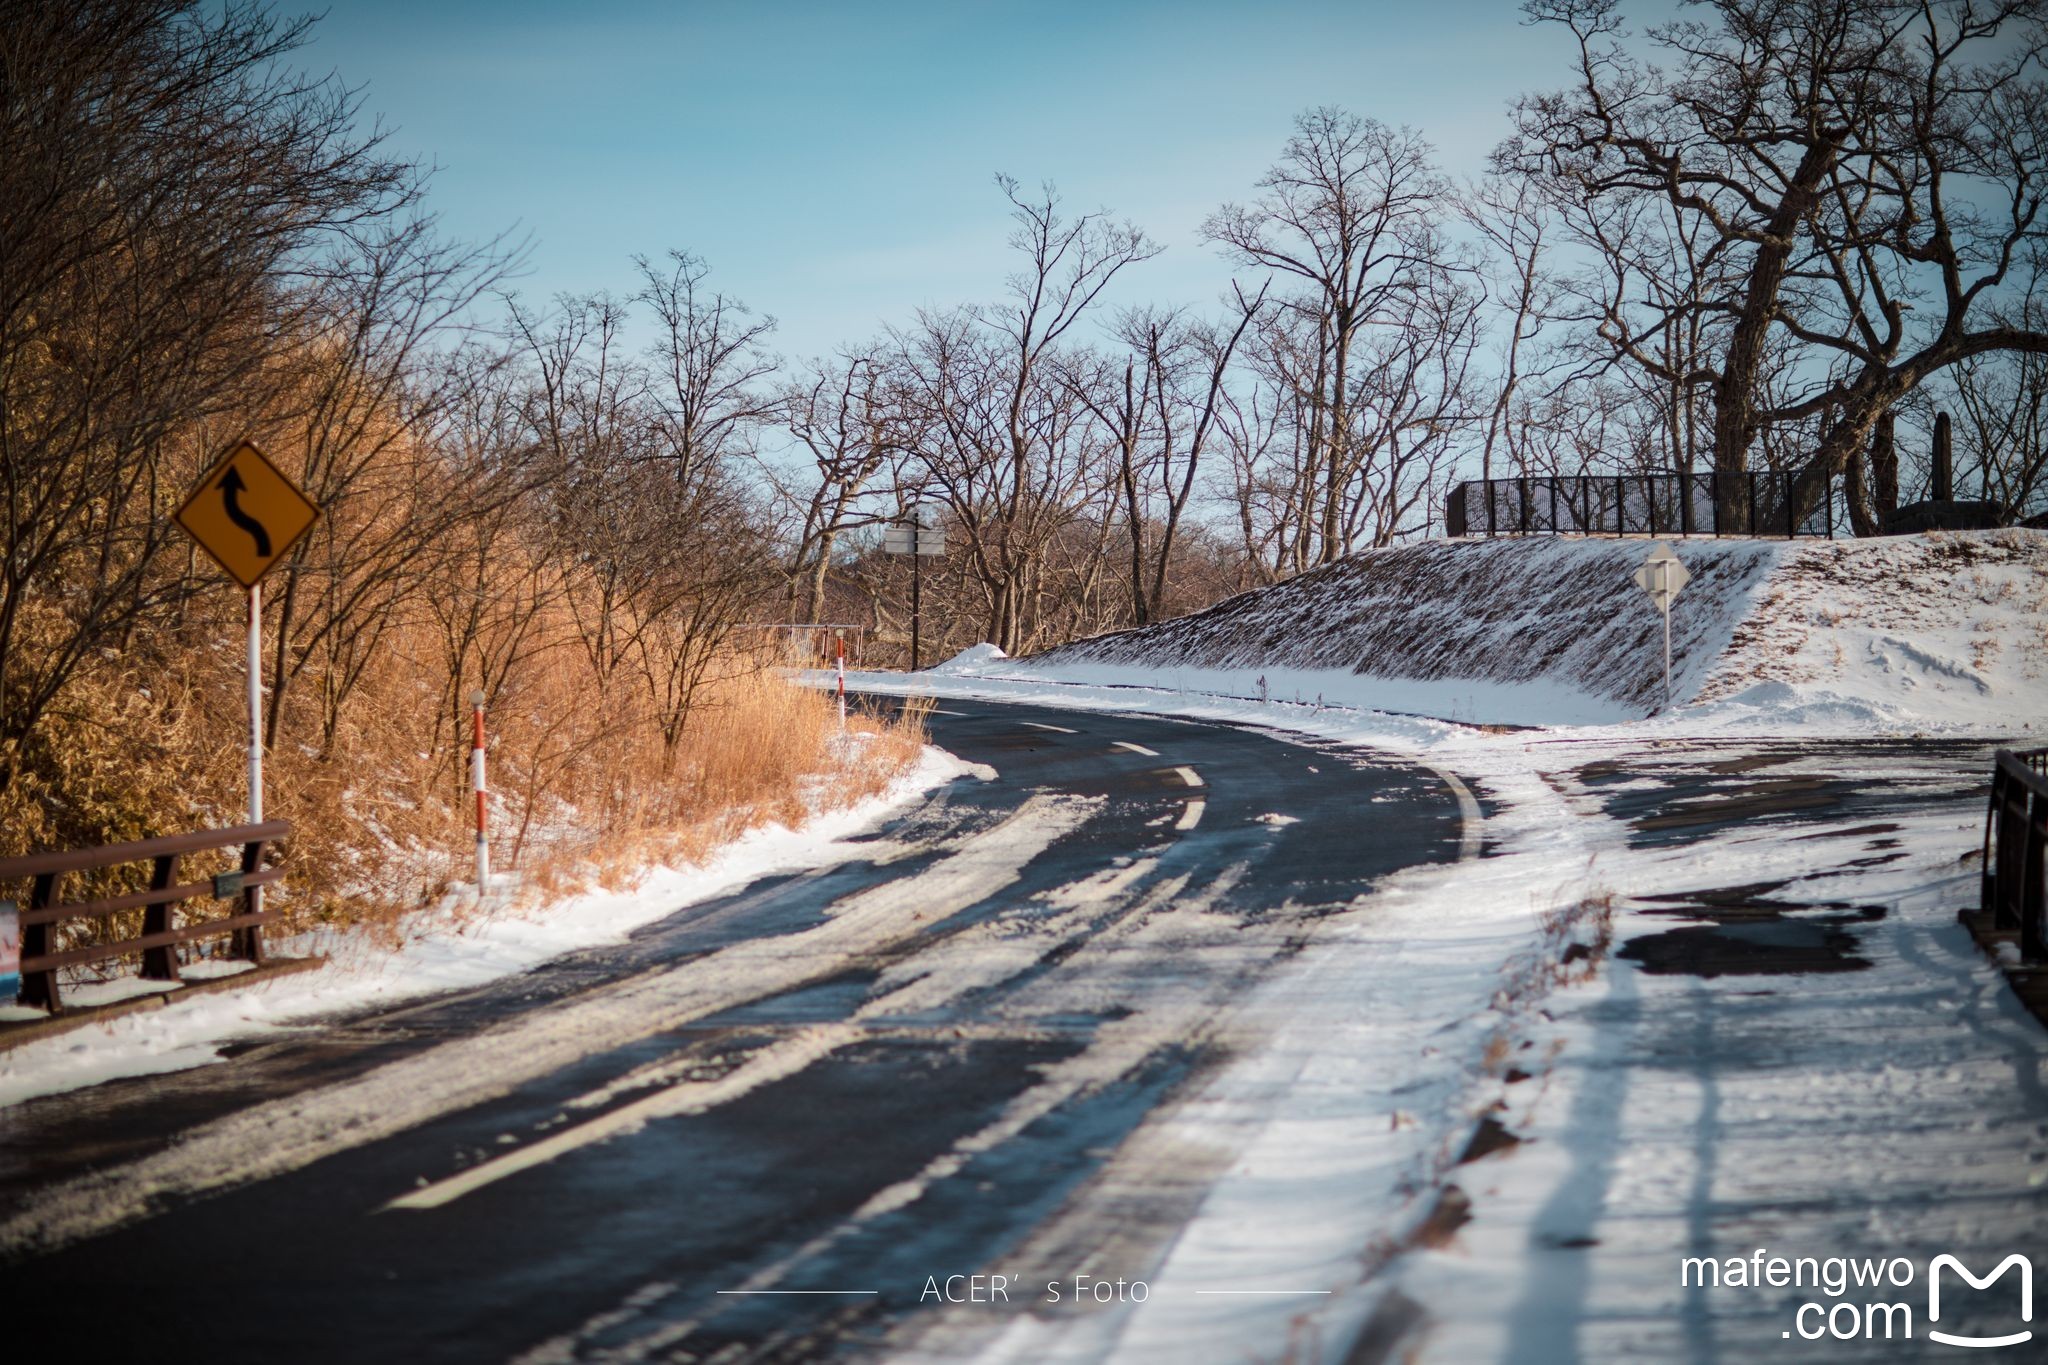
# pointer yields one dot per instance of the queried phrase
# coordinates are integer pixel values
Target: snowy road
(766, 1126)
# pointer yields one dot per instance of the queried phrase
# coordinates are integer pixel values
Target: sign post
(1661, 576)
(247, 516)
(476, 779)
(920, 542)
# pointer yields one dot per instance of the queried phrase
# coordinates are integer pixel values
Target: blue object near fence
(10, 952)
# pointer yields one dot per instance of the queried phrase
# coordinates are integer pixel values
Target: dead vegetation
(531, 512)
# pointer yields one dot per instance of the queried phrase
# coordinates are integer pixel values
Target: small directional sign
(928, 541)
(1662, 576)
(246, 514)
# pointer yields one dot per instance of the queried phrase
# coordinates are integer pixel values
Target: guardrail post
(247, 943)
(160, 964)
(2033, 879)
(39, 988)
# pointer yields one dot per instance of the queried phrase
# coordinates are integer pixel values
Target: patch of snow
(968, 660)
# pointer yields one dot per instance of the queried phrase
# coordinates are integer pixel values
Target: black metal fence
(2015, 847)
(1756, 504)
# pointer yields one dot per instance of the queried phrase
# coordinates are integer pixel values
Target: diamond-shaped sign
(1661, 576)
(246, 514)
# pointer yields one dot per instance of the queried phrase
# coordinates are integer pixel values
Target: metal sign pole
(916, 592)
(1665, 602)
(255, 893)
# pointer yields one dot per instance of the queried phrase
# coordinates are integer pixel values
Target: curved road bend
(752, 1131)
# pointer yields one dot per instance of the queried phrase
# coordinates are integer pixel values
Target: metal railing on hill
(1754, 504)
(2015, 891)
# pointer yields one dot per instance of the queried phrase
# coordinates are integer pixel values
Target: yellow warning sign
(246, 514)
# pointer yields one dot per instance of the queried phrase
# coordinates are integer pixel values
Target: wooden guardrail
(2016, 850)
(160, 936)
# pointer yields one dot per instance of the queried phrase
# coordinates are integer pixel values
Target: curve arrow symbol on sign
(231, 487)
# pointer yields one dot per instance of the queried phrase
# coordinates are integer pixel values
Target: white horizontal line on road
(1189, 776)
(1056, 729)
(938, 711)
(1192, 816)
(1135, 748)
(799, 1291)
(1262, 1291)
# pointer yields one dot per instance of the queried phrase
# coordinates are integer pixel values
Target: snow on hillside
(1935, 631)
(1943, 629)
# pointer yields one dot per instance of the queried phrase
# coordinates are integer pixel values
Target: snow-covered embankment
(1931, 631)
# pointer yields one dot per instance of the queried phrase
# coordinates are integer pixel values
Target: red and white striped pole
(476, 780)
(840, 641)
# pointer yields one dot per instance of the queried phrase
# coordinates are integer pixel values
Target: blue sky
(834, 162)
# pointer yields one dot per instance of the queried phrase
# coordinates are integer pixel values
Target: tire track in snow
(975, 958)
(1186, 1010)
(285, 1134)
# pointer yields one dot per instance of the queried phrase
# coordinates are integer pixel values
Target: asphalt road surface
(754, 1131)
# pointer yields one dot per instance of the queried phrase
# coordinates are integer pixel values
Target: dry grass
(585, 789)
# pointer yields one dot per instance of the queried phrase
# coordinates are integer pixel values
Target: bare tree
(1160, 416)
(711, 374)
(1352, 214)
(167, 182)
(847, 419)
(1003, 441)
(1867, 172)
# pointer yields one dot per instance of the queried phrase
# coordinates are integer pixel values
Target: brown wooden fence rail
(2015, 846)
(160, 937)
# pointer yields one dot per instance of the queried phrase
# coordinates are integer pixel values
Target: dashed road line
(1189, 776)
(1135, 748)
(1056, 729)
(1192, 815)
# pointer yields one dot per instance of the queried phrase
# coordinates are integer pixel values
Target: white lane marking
(1189, 776)
(1192, 815)
(937, 712)
(1135, 748)
(1471, 820)
(292, 1131)
(1056, 729)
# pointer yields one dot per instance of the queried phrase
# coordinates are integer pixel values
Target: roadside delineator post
(839, 642)
(476, 780)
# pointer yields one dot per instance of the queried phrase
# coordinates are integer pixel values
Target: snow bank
(1944, 630)
(1941, 631)
(968, 661)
